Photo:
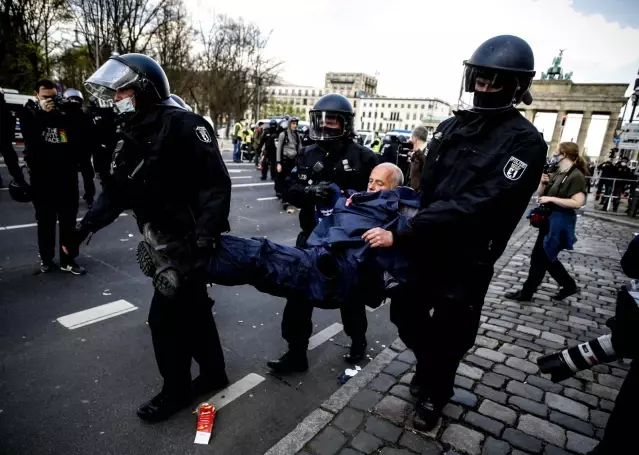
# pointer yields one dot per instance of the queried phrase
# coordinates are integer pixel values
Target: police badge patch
(202, 134)
(514, 168)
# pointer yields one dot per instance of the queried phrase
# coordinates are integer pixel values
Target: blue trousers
(236, 150)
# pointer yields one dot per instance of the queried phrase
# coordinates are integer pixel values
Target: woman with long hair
(564, 192)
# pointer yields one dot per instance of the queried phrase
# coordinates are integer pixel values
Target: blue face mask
(125, 106)
(556, 159)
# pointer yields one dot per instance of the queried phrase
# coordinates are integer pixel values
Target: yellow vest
(376, 147)
(247, 138)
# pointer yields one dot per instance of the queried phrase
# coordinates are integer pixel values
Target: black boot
(426, 415)
(518, 296)
(291, 362)
(206, 384)
(565, 292)
(163, 405)
(155, 263)
(357, 352)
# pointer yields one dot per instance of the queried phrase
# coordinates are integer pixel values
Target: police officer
(161, 142)
(88, 143)
(105, 122)
(289, 144)
(390, 149)
(335, 158)
(606, 174)
(53, 154)
(268, 150)
(626, 178)
(481, 169)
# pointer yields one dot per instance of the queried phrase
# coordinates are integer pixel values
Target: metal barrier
(614, 192)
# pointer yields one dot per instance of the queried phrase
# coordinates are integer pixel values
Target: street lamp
(76, 44)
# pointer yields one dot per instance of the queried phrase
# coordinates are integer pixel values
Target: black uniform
(268, 149)
(607, 172)
(89, 146)
(167, 167)
(7, 135)
(54, 154)
(389, 151)
(479, 174)
(349, 167)
(104, 120)
(627, 178)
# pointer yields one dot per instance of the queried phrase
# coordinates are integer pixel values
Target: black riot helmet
(137, 71)
(499, 73)
(181, 102)
(272, 124)
(331, 118)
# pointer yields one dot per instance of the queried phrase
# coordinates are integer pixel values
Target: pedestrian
(7, 136)
(54, 152)
(88, 143)
(268, 150)
(334, 159)
(238, 130)
(563, 194)
(161, 142)
(390, 149)
(606, 174)
(289, 145)
(417, 157)
(482, 167)
(257, 139)
(626, 177)
(376, 145)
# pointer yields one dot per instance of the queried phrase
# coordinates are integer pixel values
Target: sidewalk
(502, 404)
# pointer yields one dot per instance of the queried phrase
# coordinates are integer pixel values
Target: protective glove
(321, 192)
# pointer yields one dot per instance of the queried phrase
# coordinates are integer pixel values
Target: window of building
(305, 101)
(364, 104)
(355, 103)
(313, 93)
(414, 116)
(368, 125)
(375, 114)
(374, 125)
(299, 92)
(408, 108)
(362, 126)
(423, 106)
(286, 91)
(406, 126)
(383, 105)
(395, 105)
(402, 106)
(376, 104)
(320, 93)
(369, 114)
(305, 92)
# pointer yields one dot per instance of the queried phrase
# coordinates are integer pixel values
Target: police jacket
(89, 144)
(349, 167)
(268, 143)
(104, 121)
(607, 170)
(624, 173)
(479, 174)
(167, 167)
(54, 147)
(7, 135)
(389, 153)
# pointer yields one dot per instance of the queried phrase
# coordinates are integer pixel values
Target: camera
(622, 342)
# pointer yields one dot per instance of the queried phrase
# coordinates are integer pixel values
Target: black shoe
(166, 278)
(291, 362)
(162, 406)
(426, 415)
(565, 292)
(262, 178)
(415, 388)
(72, 267)
(518, 296)
(357, 352)
(206, 384)
(47, 266)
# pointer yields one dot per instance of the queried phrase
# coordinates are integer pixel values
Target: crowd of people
(469, 187)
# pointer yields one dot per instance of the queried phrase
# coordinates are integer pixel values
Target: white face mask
(125, 105)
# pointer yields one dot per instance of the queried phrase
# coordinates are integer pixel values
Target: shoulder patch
(202, 134)
(514, 168)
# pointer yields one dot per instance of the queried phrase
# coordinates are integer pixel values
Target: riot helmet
(498, 74)
(131, 71)
(74, 96)
(181, 102)
(331, 118)
(272, 124)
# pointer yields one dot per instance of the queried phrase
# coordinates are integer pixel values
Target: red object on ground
(205, 421)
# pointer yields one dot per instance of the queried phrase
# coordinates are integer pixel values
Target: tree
(73, 67)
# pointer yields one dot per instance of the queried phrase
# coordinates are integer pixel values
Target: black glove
(321, 192)
(79, 235)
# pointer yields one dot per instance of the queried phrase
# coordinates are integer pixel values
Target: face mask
(125, 106)
(623, 164)
(556, 159)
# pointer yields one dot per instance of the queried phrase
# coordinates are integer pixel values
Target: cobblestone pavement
(502, 403)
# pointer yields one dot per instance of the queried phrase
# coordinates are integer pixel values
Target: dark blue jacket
(561, 232)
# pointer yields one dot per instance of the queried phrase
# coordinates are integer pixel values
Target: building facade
(385, 114)
(351, 85)
(629, 141)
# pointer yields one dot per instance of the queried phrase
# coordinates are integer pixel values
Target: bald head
(385, 176)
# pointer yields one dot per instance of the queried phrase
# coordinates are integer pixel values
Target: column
(556, 133)
(530, 115)
(583, 130)
(610, 134)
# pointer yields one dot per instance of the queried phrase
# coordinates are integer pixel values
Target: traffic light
(563, 120)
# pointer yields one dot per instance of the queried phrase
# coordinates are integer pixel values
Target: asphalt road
(75, 391)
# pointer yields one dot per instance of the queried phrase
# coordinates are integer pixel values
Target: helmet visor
(326, 126)
(110, 77)
(486, 88)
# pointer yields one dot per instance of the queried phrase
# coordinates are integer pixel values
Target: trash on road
(348, 373)
(205, 420)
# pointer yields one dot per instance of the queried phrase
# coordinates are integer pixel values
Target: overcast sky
(417, 47)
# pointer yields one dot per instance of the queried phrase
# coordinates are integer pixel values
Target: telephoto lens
(564, 364)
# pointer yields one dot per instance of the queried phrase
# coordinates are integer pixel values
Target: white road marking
(245, 185)
(270, 198)
(21, 226)
(237, 171)
(4, 189)
(96, 314)
(234, 391)
(324, 335)
(242, 177)
(238, 164)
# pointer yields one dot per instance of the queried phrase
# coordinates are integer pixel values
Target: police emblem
(514, 168)
(202, 134)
